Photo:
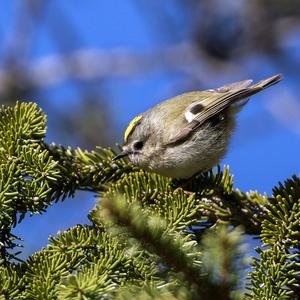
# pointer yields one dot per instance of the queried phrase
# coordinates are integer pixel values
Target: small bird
(189, 133)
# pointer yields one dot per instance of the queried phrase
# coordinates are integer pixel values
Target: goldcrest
(189, 133)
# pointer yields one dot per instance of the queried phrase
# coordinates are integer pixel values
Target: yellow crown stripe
(130, 127)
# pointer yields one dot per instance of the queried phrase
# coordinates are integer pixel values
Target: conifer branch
(177, 251)
(276, 272)
(163, 225)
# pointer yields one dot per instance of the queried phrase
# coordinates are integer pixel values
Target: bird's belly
(183, 168)
(181, 172)
(187, 159)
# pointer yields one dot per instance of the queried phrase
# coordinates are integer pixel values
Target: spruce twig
(167, 244)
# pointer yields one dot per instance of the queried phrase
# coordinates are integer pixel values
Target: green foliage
(11, 281)
(94, 256)
(224, 258)
(222, 203)
(151, 237)
(277, 270)
(28, 173)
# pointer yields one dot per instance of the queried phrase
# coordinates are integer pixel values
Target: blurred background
(93, 65)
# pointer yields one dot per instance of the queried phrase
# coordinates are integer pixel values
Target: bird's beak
(121, 154)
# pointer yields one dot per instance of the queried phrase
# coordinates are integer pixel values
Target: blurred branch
(88, 64)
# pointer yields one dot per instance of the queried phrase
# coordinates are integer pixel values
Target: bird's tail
(250, 90)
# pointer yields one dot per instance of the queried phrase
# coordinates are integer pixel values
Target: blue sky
(263, 149)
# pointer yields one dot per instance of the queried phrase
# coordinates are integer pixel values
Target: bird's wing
(216, 101)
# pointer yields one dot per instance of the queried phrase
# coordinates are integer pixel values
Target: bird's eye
(138, 145)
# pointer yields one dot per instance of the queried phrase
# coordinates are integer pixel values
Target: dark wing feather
(219, 100)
